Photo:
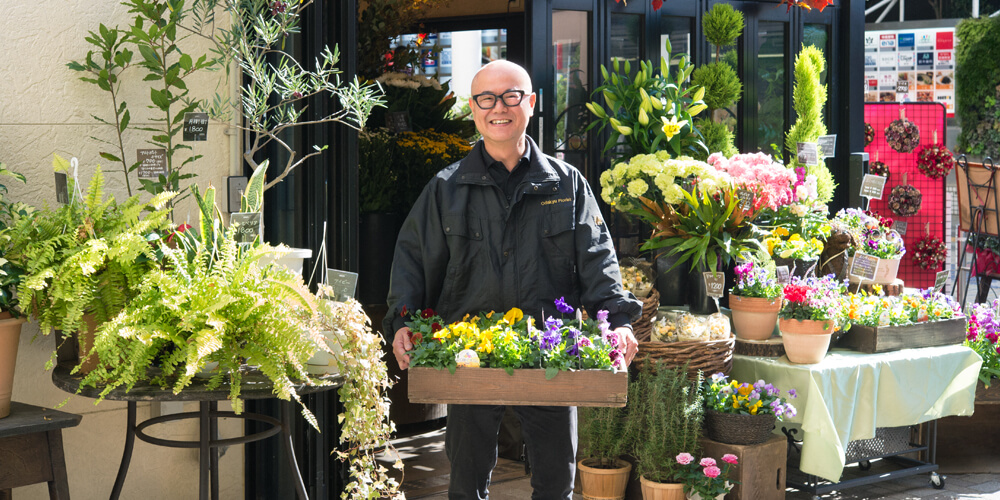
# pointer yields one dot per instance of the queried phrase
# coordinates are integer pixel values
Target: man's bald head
(503, 68)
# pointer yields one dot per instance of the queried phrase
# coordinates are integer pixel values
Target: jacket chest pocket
(557, 230)
(463, 227)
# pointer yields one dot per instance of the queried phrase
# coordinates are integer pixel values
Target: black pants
(471, 443)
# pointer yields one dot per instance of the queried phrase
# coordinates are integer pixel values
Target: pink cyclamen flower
(729, 458)
(685, 458)
(712, 471)
(707, 462)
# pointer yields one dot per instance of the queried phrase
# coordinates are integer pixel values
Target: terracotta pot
(754, 317)
(661, 491)
(603, 484)
(805, 341)
(10, 335)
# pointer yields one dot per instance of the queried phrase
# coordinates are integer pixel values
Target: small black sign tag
(248, 227)
(940, 280)
(864, 266)
(782, 274)
(872, 186)
(398, 121)
(808, 153)
(715, 283)
(62, 188)
(899, 226)
(152, 163)
(343, 283)
(195, 126)
(827, 145)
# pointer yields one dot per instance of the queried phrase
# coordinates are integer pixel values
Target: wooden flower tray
(893, 338)
(526, 387)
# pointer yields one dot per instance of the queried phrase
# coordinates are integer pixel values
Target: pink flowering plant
(812, 298)
(706, 477)
(759, 170)
(755, 281)
(760, 398)
(511, 341)
(982, 335)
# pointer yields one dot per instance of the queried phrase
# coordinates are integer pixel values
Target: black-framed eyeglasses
(488, 100)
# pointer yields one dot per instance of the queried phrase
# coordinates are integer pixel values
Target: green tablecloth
(849, 394)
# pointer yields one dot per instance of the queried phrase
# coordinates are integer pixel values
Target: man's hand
(626, 343)
(401, 344)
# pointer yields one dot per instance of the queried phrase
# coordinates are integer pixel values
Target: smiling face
(502, 127)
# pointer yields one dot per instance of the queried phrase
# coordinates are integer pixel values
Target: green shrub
(722, 86)
(977, 86)
(809, 97)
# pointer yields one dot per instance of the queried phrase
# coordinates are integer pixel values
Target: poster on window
(911, 65)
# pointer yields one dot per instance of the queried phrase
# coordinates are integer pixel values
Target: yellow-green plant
(11, 273)
(87, 256)
(652, 110)
(809, 97)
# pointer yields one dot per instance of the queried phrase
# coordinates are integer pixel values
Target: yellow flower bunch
(787, 245)
(657, 177)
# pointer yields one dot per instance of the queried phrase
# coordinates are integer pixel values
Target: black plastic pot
(672, 283)
(377, 233)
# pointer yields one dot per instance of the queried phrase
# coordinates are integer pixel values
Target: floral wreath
(879, 168)
(930, 252)
(905, 200)
(902, 135)
(869, 134)
(935, 161)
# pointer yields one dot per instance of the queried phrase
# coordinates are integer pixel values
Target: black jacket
(465, 249)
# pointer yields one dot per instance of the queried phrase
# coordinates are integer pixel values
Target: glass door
(572, 53)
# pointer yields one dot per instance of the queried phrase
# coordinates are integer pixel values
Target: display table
(850, 394)
(255, 386)
(31, 449)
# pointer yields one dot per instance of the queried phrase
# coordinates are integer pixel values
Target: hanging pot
(10, 336)
(597, 482)
(672, 284)
(377, 233)
(805, 341)
(754, 317)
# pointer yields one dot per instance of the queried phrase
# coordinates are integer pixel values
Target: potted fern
(10, 277)
(83, 260)
(663, 421)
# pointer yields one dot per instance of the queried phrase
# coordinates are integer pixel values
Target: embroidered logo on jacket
(553, 202)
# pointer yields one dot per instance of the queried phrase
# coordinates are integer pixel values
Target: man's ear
(531, 102)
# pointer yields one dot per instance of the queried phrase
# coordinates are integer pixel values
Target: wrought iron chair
(979, 214)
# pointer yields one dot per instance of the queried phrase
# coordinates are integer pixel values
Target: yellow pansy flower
(513, 316)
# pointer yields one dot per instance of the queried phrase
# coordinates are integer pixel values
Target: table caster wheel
(937, 481)
(864, 465)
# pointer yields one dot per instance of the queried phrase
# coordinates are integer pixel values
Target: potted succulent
(813, 310)
(84, 260)
(11, 274)
(755, 302)
(664, 420)
(744, 413)
(603, 474)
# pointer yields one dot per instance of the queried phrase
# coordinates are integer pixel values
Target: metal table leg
(204, 449)
(213, 407)
(116, 491)
(286, 417)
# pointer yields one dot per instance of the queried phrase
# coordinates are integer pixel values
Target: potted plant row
(921, 318)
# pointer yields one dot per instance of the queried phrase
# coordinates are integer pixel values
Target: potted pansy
(755, 301)
(814, 308)
(872, 235)
(743, 413)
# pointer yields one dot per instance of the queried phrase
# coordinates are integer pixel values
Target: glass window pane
(818, 36)
(455, 56)
(570, 48)
(771, 86)
(679, 30)
(626, 38)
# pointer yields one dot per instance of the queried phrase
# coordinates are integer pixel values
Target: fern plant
(87, 256)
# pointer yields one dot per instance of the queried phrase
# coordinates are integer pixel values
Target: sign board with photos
(911, 65)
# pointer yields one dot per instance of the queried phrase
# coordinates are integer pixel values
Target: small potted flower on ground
(705, 479)
(744, 413)
(814, 308)
(755, 301)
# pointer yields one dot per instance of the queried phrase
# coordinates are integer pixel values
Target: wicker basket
(643, 328)
(733, 428)
(709, 357)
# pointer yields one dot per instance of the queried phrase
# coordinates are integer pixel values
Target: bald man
(507, 226)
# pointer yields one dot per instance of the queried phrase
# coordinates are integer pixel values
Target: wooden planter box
(493, 386)
(893, 338)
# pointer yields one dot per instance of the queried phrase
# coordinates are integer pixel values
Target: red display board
(929, 117)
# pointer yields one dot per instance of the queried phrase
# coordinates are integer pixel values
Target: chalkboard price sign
(62, 188)
(152, 163)
(864, 266)
(746, 199)
(343, 283)
(195, 126)
(249, 226)
(808, 153)
(872, 186)
(940, 280)
(782, 274)
(899, 226)
(715, 283)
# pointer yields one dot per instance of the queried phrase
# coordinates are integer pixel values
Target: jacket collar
(473, 170)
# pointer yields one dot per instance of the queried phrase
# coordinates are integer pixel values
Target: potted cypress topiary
(663, 420)
(604, 474)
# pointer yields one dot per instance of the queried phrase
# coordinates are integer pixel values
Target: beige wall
(45, 109)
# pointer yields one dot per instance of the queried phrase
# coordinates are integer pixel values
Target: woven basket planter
(709, 357)
(734, 428)
(643, 328)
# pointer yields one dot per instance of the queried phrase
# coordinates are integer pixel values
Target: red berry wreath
(869, 134)
(902, 135)
(935, 161)
(905, 200)
(929, 252)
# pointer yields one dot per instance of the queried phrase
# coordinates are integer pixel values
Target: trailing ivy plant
(87, 256)
(809, 97)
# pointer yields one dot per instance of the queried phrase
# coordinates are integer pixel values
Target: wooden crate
(493, 386)
(761, 471)
(893, 338)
